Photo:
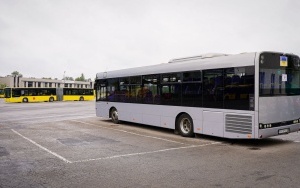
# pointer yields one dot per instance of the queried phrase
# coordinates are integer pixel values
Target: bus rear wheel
(114, 116)
(51, 99)
(25, 100)
(185, 125)
(81, 99)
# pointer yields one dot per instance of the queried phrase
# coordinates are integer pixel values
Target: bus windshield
(279, 75)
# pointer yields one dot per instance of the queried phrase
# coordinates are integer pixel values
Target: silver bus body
(270, 116)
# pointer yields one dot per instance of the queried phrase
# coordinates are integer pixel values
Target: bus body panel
(265, 133)
(213, 123)
(272, 109)
(156, 115)
(77, 97)
(204, 119)
(273, 117)
(246, 59)
(30, 99)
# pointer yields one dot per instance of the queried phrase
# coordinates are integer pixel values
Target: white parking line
(167, 140)
(43, 148)
(115, 156)
(143, 153)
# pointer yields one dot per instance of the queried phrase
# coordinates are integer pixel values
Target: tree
(16, 73)
(81, 78)
(2, 86)
(69, 78)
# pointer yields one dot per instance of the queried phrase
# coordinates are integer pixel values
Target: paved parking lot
(63, 144)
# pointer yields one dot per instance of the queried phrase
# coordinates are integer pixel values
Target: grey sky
(44, 38)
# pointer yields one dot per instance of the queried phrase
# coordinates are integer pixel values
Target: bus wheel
(185, 125)
(25, 100)
(114, 116)
(51, 99)
(81, 99)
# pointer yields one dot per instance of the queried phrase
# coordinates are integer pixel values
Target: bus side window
(213, 89)
(171, 94)
(237, 94)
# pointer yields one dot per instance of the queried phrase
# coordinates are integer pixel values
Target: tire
(114, 116)
(25, 100)
(81, 99)
(185, 125)
(51, 99)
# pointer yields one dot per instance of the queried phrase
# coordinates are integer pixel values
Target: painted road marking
(144, 153)
(111, 157)
(167, 140)
(42, 147)
(115, 156)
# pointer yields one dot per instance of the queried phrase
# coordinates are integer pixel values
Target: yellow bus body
(78, 97)
(31, 99)
(18, 95)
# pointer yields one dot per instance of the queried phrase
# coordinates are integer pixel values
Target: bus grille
(238, 124)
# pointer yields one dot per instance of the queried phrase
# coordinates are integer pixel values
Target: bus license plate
(283, 131)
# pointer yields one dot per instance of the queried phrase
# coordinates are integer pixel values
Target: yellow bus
(30, 94)
(1, 93)
(77, 94)
(47, 94)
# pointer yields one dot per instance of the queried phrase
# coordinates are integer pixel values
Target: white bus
(249, 95)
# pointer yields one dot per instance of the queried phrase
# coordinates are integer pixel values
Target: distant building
(17, 81)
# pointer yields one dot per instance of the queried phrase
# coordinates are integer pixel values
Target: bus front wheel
(185, 125)
(114, 116)
(25, 100)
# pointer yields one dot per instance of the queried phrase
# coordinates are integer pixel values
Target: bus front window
(279, 75)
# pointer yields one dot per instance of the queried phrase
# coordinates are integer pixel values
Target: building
(17, 81)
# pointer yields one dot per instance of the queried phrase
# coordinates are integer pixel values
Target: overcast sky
(44, 38)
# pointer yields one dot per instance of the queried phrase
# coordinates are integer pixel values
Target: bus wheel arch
(184, 125)
(113, 114)
(25, 100)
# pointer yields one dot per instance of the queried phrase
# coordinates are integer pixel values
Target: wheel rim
(114, 115)
(185, 125)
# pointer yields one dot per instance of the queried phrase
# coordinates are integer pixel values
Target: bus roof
(210, 61)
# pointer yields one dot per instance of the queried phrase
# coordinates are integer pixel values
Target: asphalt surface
(63, 144)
